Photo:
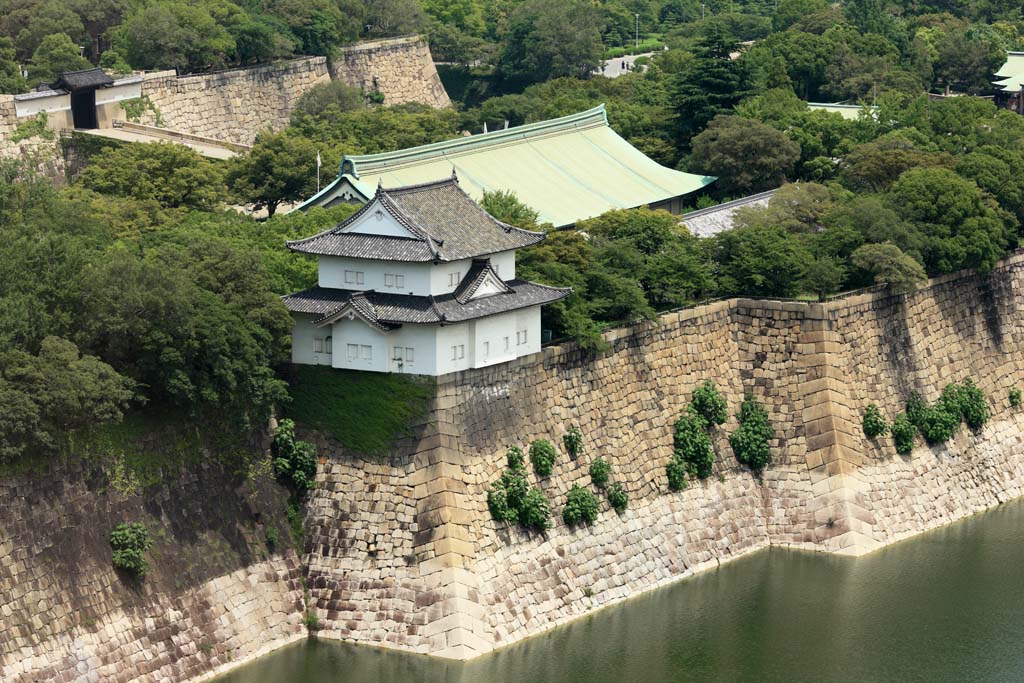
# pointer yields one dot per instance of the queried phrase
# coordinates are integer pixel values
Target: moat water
(944, 606)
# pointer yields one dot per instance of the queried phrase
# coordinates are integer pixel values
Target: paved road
(613, 67)
(207, 150)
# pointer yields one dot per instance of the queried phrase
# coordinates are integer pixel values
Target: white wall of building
(528, 323)
(358, 346)
(494, 339)
(355, 345)
(420, 279)
(505, 264)
(308, 339)
(121, 90)
(33, 104)
(459, 337)
(415, 276)
(421, 339)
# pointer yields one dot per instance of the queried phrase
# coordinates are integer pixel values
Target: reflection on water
(945, 606)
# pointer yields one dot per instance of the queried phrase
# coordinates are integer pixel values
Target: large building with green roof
(567, 169)
(1010, 82)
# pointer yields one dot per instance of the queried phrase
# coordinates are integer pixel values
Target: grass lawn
(365, 411)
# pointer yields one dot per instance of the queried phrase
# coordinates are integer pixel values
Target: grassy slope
(365, 411)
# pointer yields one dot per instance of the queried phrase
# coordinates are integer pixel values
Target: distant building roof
(444, 224)
(847, 111)
(715, 219)
(567, 169)
(1011, 73)
(87, 79)
(388, 311)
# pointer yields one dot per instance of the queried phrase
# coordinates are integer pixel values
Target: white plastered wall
(332, 274)
(360, 334)
(304, 336)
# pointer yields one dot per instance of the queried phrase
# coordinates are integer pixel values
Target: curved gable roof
(567, 169)
(445, 224)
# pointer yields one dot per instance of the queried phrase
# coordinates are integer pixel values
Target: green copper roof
(568, 169)
(1011, 73)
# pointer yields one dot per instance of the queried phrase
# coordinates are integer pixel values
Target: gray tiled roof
(446, 225)
(715, 219)
(80, 80)
(388, 310)
(478, 273)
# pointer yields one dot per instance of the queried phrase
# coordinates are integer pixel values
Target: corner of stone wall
(843, 522)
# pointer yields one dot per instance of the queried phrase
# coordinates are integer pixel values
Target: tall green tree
(11, 80)
(745, 155)
(173, 175)
(55, 54)
(51, 393)
(551, 39)
(172, 35)
(712, 84)
(279, 168)
(960, 224)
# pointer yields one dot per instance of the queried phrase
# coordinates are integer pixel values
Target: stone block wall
(403, 552)
(401, 69)
(237, 105)
(44, 154)
(214, 595)
(234, 105)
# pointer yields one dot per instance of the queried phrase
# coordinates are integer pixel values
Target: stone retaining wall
(44, 154)
(401, 69)
(403, 550)
(234, 105)
(214, 595)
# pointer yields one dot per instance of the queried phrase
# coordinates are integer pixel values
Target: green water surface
(945, 606)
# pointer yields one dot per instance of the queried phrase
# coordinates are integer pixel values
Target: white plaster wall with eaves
(445, 277)
(412, 350)
(494, 338)
(459, 336)
(358, 346)
(416, 277)
(528, 324)
(306, 349)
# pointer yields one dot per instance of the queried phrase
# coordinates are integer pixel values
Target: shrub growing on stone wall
(692, 443)
(542, 455)
(511, 499)
(709, 403)
(903, 432)
(535, 513)
(1015, 397)
(618, 497)
(750, 441)
(600, 471)
(874, 424)
(971, 402)
(516, 459)
(573, 441)
(505, 498)
(958, 403)
(294, 461)
(677, 471)
(581, 506)
(130, 543)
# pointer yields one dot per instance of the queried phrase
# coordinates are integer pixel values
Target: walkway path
(613, 68)
(208, 147)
